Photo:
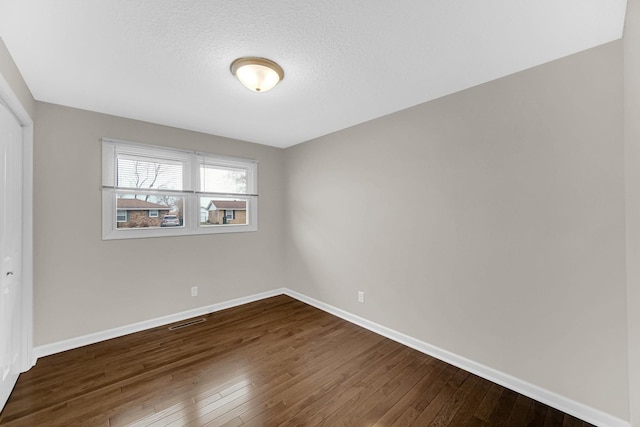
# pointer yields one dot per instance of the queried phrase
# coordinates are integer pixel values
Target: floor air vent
(185, 324)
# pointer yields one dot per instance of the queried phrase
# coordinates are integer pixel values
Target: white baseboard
(569, 406)
(564, 404)
(58, 347)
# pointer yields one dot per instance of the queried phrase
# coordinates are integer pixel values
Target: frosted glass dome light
(257, 74)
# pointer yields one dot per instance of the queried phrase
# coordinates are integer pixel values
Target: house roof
(237, 205)
(345, 62)
(137, 204)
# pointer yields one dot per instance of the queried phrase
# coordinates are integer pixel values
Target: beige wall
(632, 146)
(84, 284)
(10, 72)
(514, 256)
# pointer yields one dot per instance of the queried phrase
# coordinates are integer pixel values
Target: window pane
(149, 211)
(146, 172)
(223, 211)
(154, 191)
(222, 179)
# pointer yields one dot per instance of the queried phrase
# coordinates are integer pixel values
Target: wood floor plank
(430, 392)
(536, 414)
(503, 408)
(262, 402)
(411, 398)
(470, 405)
(520, 410)
(272, 362)
(293, 394)
(432, 410)
(352, 410)
(488, 404)
(451, 408)
(554, 418)
(225, 413)
(82, 384)
(570, 421)
(386, 397)
(320, 405)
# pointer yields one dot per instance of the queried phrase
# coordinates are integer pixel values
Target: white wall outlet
(194, 291)
(360, 296)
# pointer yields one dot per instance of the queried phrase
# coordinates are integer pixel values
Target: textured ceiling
(345, 61)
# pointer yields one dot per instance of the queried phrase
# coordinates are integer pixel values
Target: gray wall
(489, 223)
(632, 156)
(84, 284)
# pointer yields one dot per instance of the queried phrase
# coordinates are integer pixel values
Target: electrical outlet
(194, 291)
(360, 297)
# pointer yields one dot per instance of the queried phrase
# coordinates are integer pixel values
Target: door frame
(11, 101)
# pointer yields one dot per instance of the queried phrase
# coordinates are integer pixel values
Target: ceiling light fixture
(257, 74)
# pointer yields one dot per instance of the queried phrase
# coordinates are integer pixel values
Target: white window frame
(230, 214)
(156, 215)
(126, 215)
(191, 160)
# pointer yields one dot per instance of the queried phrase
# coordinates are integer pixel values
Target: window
(146, 188)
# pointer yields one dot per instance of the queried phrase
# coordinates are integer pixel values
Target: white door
(10, 251)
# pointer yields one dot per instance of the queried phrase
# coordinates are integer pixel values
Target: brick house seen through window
(227, 212)
(136, 213)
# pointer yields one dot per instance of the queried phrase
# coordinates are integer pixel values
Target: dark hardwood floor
(273, 362)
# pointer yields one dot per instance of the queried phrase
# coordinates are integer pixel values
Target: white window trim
(126, 215)
(191, 183)
(157, 215)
